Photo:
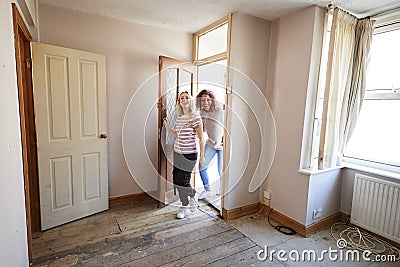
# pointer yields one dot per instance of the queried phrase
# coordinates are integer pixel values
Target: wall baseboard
(344, 217)
(286, 221)
(325, 223)
(241, 211)
(122, 200)
(301, 229)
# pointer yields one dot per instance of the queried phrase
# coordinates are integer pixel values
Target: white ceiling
(192, 15)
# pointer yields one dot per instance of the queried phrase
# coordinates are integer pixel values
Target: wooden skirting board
(241, 211)
(325, 223)
(301, 229)
(122, 200)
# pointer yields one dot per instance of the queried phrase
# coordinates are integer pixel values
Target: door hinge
(28, 63)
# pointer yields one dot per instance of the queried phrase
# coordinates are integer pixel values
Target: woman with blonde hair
(188, 130)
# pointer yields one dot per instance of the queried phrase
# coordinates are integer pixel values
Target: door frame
(22, 40)
(228, 92)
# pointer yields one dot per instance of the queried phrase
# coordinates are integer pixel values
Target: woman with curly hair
(212, 116)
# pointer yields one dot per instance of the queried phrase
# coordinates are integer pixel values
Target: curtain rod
(386, 14)
(387, 18)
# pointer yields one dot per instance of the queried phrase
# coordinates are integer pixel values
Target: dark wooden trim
(122, 200)
(286, 221)
(303, 230)
(241, 211)
(344, 217)
(324, 223)
(19, 22)
(22, 39)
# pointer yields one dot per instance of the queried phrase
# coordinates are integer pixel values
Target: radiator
(376, 206)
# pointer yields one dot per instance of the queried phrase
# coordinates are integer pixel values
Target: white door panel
(70, 108)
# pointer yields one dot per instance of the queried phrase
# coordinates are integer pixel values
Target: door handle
(103, 136)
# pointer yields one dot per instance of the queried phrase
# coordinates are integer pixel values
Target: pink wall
(132, 52)
(13, 234)
(250, 39)
(289, 68)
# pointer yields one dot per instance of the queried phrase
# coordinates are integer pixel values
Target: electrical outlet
(317, 213)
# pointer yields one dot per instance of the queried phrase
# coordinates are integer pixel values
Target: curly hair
(213, 106)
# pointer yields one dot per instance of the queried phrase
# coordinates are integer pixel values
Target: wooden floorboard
(174, 253)
(213, 253)
(139, 234)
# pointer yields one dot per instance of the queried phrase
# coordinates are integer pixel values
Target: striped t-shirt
(187, 137)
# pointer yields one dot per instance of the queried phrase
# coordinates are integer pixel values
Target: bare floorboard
(139, 234)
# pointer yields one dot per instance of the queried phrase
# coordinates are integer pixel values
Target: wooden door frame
(22, 39)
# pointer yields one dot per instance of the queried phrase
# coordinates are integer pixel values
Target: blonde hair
(192, 105)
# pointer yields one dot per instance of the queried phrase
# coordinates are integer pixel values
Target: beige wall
(324, 193)
(324, 190)
(250, 39)
(132, 52)
(13, 245)
(289, 68)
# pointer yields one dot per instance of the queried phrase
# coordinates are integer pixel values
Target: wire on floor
(352, 237)
(281, 228)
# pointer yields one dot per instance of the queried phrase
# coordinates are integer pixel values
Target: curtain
(345, 84)
(355, 95)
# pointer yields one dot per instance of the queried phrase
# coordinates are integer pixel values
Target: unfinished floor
(139, 234)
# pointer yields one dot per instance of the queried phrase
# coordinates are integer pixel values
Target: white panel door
(69, 89)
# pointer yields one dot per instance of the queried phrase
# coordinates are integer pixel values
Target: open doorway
(212, 84)
(211, 55)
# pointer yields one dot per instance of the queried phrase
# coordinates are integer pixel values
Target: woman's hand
(202, 159)
(171, 132)
(166, 124)
(199, 131)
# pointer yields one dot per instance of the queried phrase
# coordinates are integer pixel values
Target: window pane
(185, 82)
(212, 76)
(383, 69)
(213, 42)
(376, 137)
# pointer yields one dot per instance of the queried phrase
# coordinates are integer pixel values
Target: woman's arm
(199, 131)
(171, 132)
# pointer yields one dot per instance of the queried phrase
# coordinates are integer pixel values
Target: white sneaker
(183, 212)
(193, 203)
(205, 194)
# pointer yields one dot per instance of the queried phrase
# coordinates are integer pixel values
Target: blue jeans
(209, 153)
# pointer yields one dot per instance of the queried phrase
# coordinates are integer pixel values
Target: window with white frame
(320, 92)
(211, 54)
(375, 141)
(212, 43)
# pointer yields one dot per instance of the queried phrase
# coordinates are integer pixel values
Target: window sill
(311, 171)
(375, 171)
(357, 167)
